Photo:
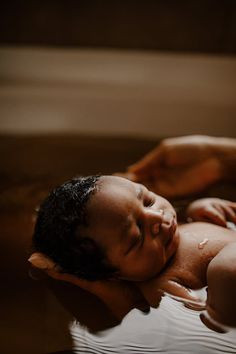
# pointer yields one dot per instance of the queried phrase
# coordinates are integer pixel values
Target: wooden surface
(207, 26)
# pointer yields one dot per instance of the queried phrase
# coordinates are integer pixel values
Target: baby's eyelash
(149, 203)
(152, 202)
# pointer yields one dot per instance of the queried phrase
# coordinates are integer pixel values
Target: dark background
(206, 26)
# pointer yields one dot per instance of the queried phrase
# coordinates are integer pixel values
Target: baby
(107, 227)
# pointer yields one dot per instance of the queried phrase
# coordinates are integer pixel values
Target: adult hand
(215, 210)
(179, 166)
(119, 296)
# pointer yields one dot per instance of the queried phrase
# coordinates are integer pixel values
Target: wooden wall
(206, 26)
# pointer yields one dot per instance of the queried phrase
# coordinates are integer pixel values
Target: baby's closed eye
(149, 200)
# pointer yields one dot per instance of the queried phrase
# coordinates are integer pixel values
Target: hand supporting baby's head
(57, 231)
(98, 227)
(104, 234)
(65, 252)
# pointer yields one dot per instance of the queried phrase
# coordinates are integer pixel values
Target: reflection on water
(199, 304)
(172, 329)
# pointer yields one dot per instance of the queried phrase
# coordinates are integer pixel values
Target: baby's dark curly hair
(57, 233)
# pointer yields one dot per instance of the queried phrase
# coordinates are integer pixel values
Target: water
(170, 329)
(197, 305)
(200, 305)
(231, 225)
(202, 244)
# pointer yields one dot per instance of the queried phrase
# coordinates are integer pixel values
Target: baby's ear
(40, 261)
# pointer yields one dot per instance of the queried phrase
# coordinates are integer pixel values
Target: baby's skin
(138, 232)
(206, 255)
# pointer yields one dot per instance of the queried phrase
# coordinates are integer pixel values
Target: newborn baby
(107, 227)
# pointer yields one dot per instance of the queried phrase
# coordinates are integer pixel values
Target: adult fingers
(230, 214)
(91, 286)
(212, 214)
(178, 182)
(40, 261)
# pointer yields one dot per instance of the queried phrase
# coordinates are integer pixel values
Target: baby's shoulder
(204, 230)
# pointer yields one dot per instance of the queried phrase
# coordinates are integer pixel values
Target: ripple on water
(172, 329)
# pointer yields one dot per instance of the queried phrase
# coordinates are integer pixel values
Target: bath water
(172, 328)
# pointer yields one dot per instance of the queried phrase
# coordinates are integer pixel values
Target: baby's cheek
(141, 270)
(154, 261)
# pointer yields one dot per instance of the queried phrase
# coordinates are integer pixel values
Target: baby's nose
(155, 219)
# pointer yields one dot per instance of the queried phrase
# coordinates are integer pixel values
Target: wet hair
(57, 232)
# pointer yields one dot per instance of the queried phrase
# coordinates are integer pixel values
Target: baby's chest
(199, 244)
(189, 267)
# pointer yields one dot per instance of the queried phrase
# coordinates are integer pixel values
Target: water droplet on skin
(202, 244)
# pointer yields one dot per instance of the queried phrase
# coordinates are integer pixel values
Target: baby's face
(136, 228)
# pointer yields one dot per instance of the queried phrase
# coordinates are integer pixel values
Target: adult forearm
(226, 152)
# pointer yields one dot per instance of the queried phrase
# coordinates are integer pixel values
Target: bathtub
(64, 112)
(125, 93)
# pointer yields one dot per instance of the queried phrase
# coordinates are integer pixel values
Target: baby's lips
(169, 229)
(174, 225)
(155, 228)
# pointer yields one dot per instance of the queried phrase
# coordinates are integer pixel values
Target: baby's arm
(213, 210)
(221, 280)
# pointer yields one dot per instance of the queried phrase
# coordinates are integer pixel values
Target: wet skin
(138, 231)
(136, 228)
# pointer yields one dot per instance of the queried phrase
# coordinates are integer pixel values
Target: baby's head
(101, 227)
